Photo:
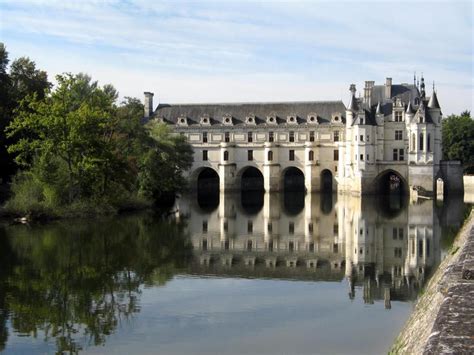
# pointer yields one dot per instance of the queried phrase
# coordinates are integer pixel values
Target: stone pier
(443, 319)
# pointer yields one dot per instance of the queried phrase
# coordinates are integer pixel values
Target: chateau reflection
(385, 246)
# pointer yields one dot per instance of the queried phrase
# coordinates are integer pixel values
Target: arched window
(428, 143)
(413, 142)
(421, 141)
(270, 155)
(311, 155)
(226, 155)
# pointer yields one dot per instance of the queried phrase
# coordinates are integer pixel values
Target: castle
(388, 138)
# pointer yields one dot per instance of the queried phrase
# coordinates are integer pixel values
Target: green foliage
(21, 80)
(80, 150)
(458, 138)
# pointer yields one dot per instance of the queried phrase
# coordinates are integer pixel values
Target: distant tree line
(72, 148)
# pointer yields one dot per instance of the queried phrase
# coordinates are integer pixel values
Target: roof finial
(433, 86)
(414, 79)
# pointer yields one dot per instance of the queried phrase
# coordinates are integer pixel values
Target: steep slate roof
(239, 111)
(405, 92)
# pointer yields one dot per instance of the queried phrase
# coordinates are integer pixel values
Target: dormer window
(227, 120)
(271, 119)
(398, 116)
(336, 118)
(250, 119)
(422, 119)
(291, 119)
(361, 121)
(312, 118)
(205, 120)
(182, 121)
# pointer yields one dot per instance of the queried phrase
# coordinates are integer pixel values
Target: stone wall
(468, 188)
(443, 318)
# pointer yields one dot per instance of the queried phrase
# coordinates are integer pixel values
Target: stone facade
(390, 136)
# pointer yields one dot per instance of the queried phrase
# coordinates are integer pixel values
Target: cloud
(261, 50)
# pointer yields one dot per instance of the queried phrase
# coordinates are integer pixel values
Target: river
(224, 274)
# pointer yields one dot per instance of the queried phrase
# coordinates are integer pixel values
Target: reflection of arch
(207, 184)
(251, 201)
(326, 180)
(250, 178)
(292, 179)
(293, 203)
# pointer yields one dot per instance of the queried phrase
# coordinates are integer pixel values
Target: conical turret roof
(433, 103)
(353, 104)
(378, 111)
(410, 108)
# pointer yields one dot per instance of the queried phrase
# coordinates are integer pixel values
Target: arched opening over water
(293, 180)
(326, 181)
(392, 192)
(251, 190)
(390, 182)
(207, 189)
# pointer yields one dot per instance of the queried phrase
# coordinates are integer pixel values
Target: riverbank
(443, 318)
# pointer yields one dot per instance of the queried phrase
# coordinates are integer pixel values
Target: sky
(224, 51)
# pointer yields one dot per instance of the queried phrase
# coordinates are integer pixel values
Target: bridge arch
(327, 181)
(292, 179)
(250, 178)
(391, 182)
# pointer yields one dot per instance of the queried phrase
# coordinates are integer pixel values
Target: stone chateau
(387, 138)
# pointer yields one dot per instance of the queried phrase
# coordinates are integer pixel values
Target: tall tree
(458, 138)
(22, 80)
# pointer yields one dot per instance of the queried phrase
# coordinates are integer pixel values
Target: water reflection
(74, 283)
(384, 245)
(67, 282)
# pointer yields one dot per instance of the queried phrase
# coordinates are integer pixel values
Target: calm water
(229, 274)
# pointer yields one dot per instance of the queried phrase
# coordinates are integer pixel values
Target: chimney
(148, 103)
(388, 88)
(368, 92)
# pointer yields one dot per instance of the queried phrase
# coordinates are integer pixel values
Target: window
(421, 141)
(311, 136)
(399, 154)
(428, 143)
(311, 155)
(270, 246)
(361, 120)
(398, 135)
(292, 136)
(361, 138)
(413, 142)
(227, 136)
(291, 248)
(310, 228)
(311, 247)
(226, 155)
(336, 136)
(204, 155)
(367, 157)
(397, 252)
(362, 157)
(270, 155)
(204, 244)
(269, 227)
(336, 154)
(226, 227)
(249, 245)
(249, 137)
(271, 137)
(226, 245)
(397, 233)
(250, 155)
(421, 119)
(292, 155)
(291, 228)
(249, 227)
(204, 226)
(204, 137)
(398, 116)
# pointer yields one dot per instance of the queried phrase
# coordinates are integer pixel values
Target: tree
(22, 80)
(458, 138)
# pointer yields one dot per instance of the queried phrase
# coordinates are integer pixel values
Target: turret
(379, 114)
(433, 103)
(409, 113)
(352, 107)
(422, 88)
